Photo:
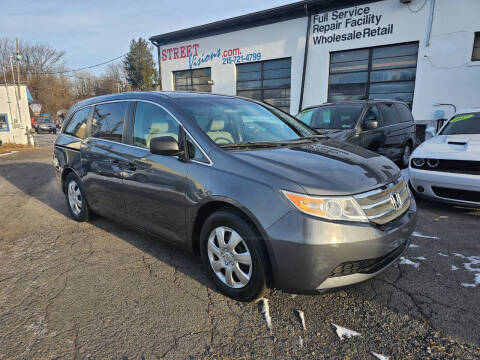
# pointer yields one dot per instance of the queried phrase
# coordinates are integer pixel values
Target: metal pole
(159, 66)
(19, 114)
(8, 97)
(305, 57)
(18, 71)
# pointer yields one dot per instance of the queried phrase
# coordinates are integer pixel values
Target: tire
(74, 189)
(225, 258)
(407, 151)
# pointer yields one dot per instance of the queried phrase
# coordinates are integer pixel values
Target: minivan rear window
(108, 119)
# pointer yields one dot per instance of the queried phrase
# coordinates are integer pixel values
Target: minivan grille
(387, 203)
(368, 266)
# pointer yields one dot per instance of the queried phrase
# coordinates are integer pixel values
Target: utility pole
(18, 58)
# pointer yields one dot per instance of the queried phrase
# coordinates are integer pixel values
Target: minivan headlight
(343, 208)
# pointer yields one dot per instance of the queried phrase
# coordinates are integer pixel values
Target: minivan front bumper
(309, 254)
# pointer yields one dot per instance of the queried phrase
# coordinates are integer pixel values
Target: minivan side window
(389, 114)
(78, 124)
(108, 119)
(152, 121)
(404, 112)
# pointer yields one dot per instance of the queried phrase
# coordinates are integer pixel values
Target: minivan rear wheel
(76, 201)
(233, 256)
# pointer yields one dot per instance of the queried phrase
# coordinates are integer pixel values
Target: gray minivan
(384, 126)
(265, 199)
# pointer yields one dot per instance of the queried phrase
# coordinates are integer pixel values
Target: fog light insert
(418, 162)
(433, 163)
(420, 189)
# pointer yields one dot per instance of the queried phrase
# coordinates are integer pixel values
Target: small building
(424, 52)
(14, 115)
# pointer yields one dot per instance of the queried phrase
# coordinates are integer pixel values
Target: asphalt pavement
(99, 290)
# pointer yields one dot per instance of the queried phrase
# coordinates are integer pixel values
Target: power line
(80, 69)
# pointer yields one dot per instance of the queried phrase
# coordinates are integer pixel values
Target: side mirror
(370, 124)
(164, 145)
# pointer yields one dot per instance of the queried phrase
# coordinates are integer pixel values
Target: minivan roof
(145, 95)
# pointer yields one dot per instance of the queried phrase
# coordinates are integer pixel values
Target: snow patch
(419, 235)
(9, 153)
(380, 356)
(301, 316)
(414, 246)
(343, 332)
(265, 310)
(453, 268)
(473, 265)
(405, 261)
(442, 254)
(300, 342)
(420, 258)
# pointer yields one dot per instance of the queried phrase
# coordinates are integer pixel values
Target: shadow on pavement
(37, 179)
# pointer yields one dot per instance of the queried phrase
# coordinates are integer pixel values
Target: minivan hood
(326, 167)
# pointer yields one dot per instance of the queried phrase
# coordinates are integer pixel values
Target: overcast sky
(94, 31)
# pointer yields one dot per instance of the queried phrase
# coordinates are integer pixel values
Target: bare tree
(83, 86)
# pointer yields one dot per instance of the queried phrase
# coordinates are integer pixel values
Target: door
(155, 184)
(103, 159)
(393, 129)
(372, 139)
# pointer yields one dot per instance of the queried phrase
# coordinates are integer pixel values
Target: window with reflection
(3, 122)
(267, 81)
(78, 124)
(385, 72)
(193, 80)
(152, 121)
(107, 121)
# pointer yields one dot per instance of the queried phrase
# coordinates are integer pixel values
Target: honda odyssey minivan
(261, 196)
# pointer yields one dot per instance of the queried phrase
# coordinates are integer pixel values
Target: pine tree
(140, 67)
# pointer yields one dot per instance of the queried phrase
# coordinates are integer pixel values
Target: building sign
(180, 52)
(348, 24)
(198, 58)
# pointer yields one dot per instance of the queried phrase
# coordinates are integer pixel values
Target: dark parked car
(384, 126)
(263, 198)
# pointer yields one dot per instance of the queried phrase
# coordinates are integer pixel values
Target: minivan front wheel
(233, 256)
(76, 202)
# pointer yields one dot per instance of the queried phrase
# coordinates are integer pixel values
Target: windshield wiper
(250, 144)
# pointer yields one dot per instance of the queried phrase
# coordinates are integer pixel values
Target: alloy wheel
(74, 197)
(229, 257)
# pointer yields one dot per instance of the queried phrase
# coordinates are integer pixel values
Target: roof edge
(258, 18)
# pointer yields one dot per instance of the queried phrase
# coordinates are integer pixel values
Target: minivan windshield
(232, 121)
(463, 124)
(341, 116)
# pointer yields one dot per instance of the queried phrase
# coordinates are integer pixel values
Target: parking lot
(100, 290)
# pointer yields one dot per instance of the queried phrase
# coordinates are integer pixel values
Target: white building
(14, 115)
(424, 52)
